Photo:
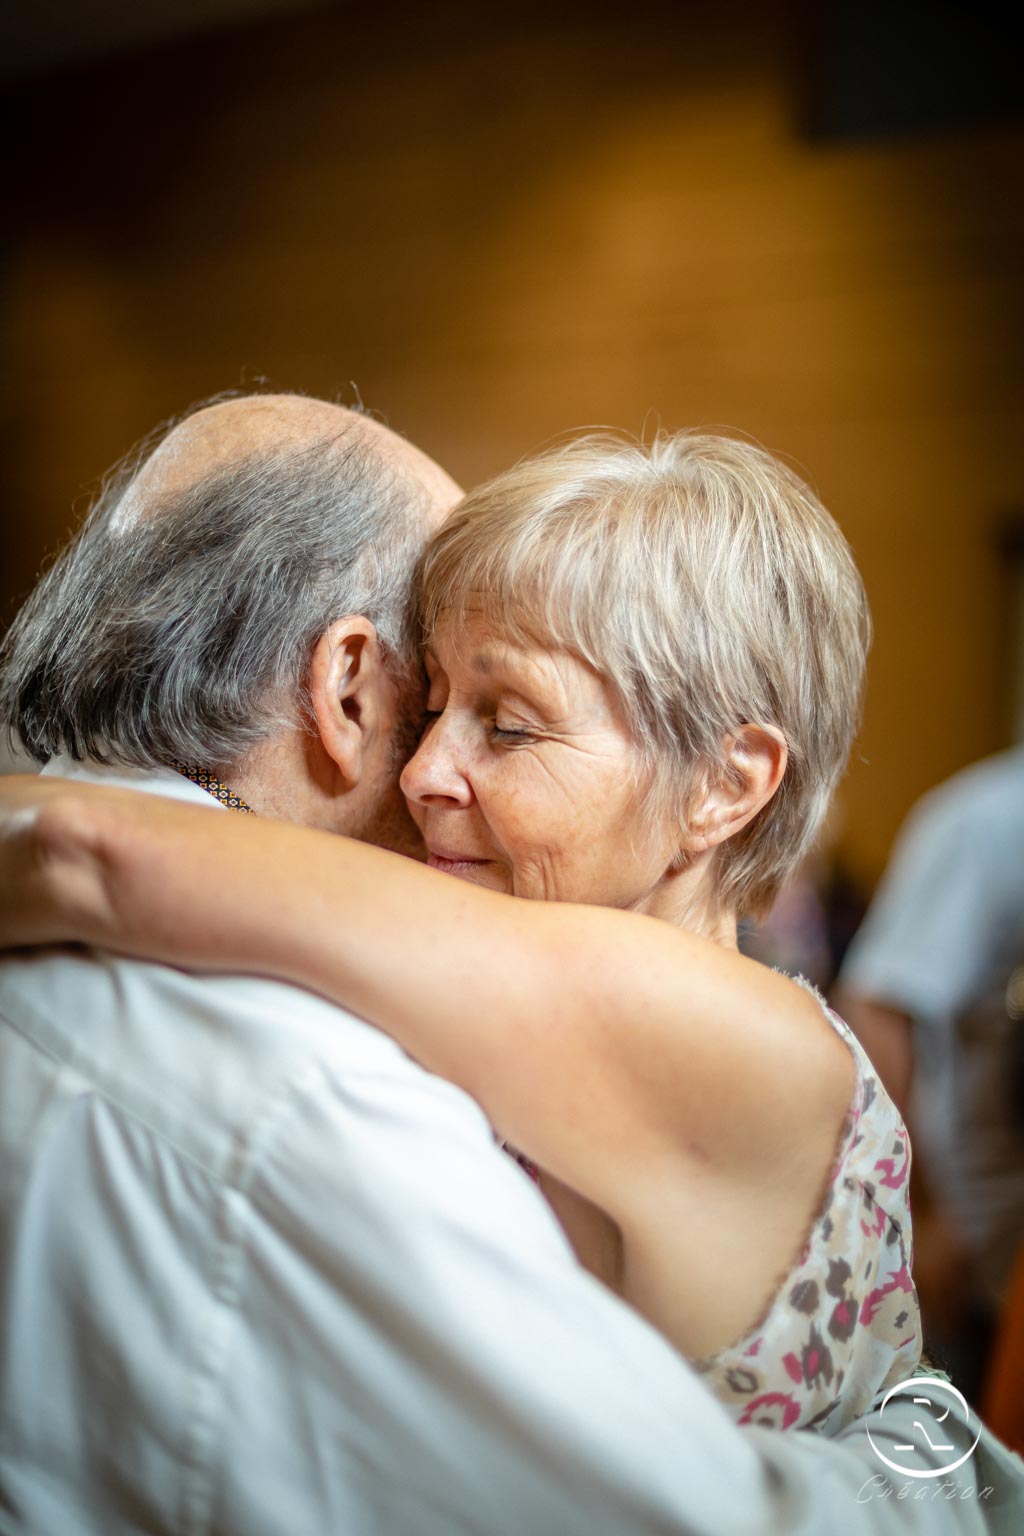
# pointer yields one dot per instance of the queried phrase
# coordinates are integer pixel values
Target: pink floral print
(845, 1322)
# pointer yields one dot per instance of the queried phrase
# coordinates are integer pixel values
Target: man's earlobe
(754, 767)
(343, 677)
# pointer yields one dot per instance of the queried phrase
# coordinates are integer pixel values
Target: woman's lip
(450, 863)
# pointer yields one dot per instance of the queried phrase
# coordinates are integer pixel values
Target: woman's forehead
(474, 652)
(481, 624)
(475, 642)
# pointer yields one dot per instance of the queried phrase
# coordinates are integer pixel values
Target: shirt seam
(227, 1265)
(76, 1061)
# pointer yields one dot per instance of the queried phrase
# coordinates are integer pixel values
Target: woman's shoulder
(801, 1062)
(746, 1058)
(845, 1322)
(874, 1148)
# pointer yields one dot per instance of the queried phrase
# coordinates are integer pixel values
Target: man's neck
(288, 777)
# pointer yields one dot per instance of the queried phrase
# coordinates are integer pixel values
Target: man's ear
(346, 683)
(754, 767)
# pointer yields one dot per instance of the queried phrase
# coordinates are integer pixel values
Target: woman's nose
(435, 773)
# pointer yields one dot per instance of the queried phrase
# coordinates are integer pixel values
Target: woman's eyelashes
(502, 725)
(509, 735)
(502, 735)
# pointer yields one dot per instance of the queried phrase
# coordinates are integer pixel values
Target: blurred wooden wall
(503, 226)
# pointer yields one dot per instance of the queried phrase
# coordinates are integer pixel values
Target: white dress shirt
(263, 1275)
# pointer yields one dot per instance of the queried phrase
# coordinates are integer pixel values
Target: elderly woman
(645, 667)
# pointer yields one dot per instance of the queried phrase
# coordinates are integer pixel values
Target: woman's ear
(346, 677)
(754, 767)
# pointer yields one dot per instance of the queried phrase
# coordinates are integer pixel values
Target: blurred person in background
(794, 935)
(933, 984)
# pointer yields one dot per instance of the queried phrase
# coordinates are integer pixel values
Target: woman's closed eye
(497, 732)
(509, 735)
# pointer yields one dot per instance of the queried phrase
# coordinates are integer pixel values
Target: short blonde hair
(705, 581)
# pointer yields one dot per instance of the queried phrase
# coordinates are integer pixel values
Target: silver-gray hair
(708, 585)
(187, 633)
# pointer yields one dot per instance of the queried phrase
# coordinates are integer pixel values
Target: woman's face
(526, 778)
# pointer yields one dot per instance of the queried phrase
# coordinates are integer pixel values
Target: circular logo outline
(947, 1386)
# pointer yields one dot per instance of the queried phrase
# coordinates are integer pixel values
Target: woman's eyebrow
(484, 662)
(481, 661)
(507, 664)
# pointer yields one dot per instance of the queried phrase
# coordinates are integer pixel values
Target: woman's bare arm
(596, 1040)
(50, 873)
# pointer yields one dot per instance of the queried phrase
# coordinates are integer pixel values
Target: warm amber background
(504, 225)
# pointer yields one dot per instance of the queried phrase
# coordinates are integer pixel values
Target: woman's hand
(49, 875)
(91, 864)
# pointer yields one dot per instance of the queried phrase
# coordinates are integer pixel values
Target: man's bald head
(181, 621)
(215, 437)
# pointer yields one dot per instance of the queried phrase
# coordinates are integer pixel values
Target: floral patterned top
(845, 1322)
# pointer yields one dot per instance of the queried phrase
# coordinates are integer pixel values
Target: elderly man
(261, 1273)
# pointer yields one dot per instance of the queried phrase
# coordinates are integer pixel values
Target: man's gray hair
(186, 633)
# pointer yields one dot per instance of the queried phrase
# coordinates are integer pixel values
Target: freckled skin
(527, 767)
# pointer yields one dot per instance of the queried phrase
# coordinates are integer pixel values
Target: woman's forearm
(51, 878)
(432, 960)
(591, 1038)
(489, 991)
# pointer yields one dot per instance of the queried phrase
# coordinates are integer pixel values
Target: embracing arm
(574, 1027)
(51, 885)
